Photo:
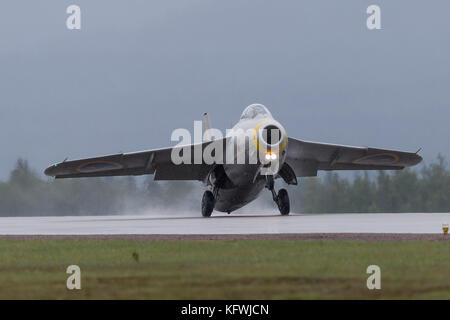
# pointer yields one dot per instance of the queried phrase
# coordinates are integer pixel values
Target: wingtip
(50, 171)
(419, 157)
(417, 160)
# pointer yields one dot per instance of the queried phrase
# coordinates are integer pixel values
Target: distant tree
(435, 187)
(362, 194)
(23, 176)
(310, 192)
(384, 197)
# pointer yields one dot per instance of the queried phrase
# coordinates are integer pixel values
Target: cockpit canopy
(254, 111)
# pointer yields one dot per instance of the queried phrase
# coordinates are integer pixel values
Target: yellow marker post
(445, 228)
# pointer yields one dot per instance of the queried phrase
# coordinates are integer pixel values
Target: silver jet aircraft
(236, 168)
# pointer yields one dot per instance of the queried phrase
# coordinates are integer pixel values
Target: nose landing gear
(281, 199)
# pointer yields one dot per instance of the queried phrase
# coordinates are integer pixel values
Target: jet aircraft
(255, 153)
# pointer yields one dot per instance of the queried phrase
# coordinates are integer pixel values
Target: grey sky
(139, 69)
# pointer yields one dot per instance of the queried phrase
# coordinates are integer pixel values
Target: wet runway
(223, 224)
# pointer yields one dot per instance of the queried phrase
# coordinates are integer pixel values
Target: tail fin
(206, 126)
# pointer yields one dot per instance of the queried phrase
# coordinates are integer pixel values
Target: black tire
(207, 203)
(283, 202)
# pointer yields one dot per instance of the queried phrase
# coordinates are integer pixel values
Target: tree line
(426, 189)
(27, 193)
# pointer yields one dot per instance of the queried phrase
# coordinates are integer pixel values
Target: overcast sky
(139, 69)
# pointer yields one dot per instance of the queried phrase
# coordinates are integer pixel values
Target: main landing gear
(281, 199)
(208, 202)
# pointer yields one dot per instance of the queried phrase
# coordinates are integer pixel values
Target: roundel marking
(379, 158)
(95, 166)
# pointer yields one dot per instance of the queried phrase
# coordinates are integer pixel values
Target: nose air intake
(271, 135)
(271, 138)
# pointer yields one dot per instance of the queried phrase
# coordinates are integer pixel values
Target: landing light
(271, 156)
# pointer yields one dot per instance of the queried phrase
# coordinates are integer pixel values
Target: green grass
(223, 269)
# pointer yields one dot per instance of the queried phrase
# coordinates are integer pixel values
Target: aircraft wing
(157, 161)
(306, 157)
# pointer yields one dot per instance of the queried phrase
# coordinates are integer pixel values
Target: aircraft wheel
(207, 203)
(283, 202)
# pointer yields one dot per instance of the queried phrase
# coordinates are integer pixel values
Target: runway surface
(223, 224)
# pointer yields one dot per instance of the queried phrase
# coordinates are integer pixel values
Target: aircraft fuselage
(247, 180)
